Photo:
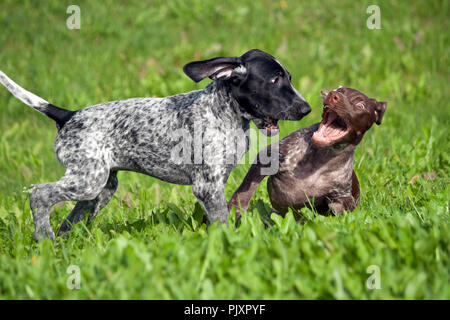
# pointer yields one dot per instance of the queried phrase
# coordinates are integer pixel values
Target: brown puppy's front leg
(242, 196)
(355, 188)
(337, 206)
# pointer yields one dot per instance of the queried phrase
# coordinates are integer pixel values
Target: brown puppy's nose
(333, 98)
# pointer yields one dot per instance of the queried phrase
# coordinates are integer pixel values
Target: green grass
(148, 242)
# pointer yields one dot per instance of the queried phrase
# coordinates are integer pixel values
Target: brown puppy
(316, 163)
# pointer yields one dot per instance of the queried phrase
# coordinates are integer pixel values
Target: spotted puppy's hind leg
(78, 183)
(90, 206)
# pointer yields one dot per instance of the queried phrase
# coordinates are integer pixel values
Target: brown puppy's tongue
(330, 118)
(329, 130)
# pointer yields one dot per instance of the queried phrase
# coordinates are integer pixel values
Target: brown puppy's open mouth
(331, 129)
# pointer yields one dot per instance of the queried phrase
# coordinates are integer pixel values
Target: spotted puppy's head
(259, 83)
(347, 115)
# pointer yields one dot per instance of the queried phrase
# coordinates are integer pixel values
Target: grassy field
(148, 243)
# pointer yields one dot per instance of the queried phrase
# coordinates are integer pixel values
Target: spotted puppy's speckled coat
(140, 135)
(316, 163)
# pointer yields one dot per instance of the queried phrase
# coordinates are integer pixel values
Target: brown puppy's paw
(234, 203)
(240, 201)
(347, 203)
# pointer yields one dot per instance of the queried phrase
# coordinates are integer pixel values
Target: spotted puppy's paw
(234, 203)
(43, 231)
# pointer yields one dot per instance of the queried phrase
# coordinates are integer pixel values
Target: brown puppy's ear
(380, 108)
(324, 94)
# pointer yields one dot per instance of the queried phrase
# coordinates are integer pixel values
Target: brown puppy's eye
(361, 105)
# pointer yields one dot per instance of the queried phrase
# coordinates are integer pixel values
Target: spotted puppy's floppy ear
(217, 68)
(380, 108)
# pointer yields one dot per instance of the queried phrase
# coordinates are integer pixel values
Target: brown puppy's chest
(312, 177)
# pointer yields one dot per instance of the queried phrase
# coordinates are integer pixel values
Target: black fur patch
(59, 115)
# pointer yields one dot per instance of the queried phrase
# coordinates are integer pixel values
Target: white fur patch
(241, 69)
(20, 93)
(224, 74)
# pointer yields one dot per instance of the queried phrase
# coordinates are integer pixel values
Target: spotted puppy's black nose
(300, 109)
(305, 108)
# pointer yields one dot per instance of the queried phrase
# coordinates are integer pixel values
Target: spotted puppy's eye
(361, 105)
(276, 78)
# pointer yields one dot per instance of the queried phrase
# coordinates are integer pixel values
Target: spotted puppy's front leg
(242, 196)
(209, 188)
(212, 196)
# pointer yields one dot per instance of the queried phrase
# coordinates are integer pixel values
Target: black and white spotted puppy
(141, 134)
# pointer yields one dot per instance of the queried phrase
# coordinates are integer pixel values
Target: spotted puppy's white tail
(23, 95)
(61, 116)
